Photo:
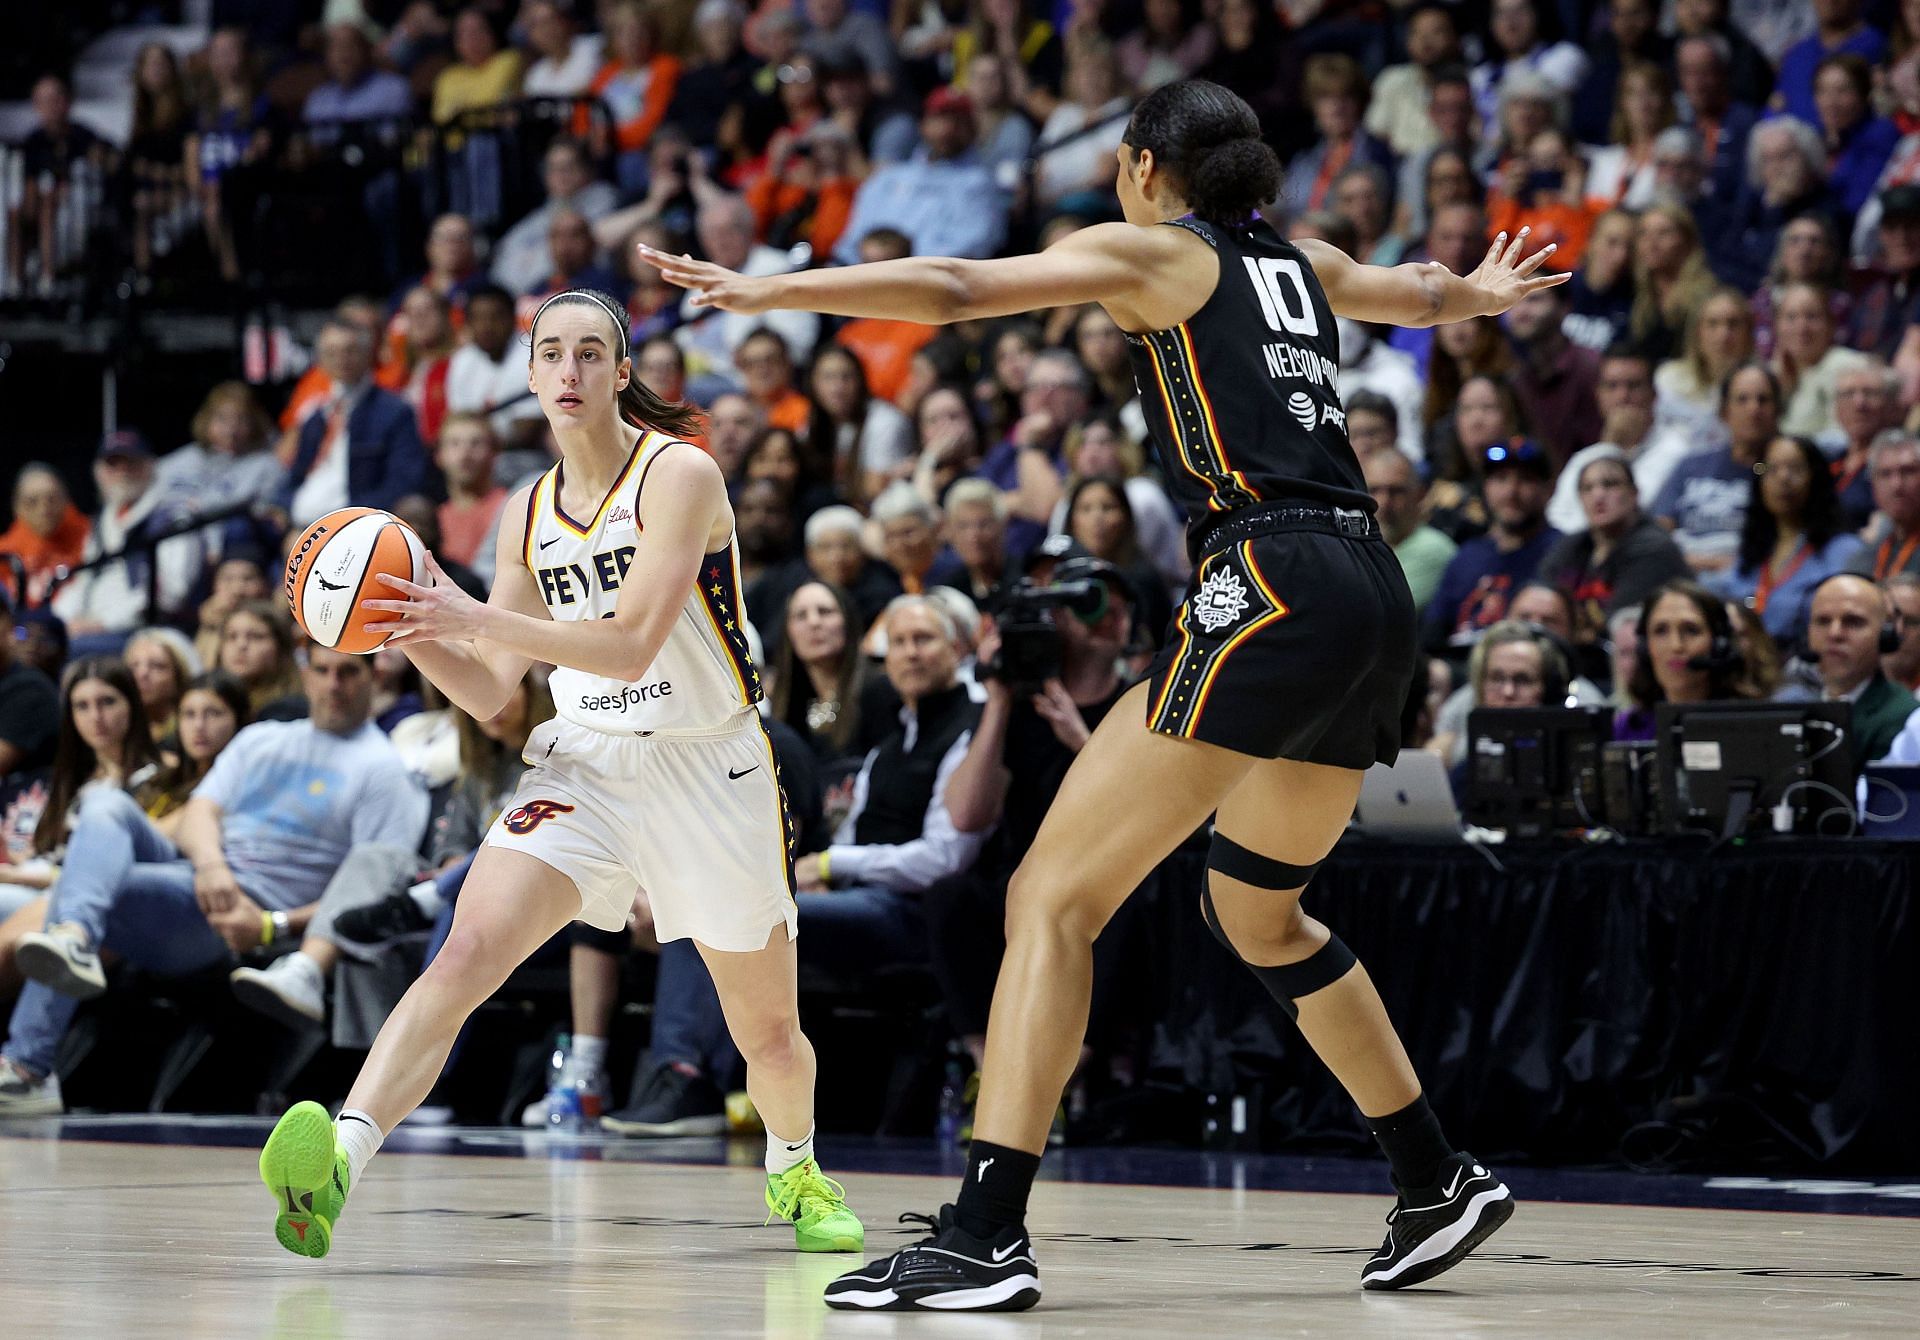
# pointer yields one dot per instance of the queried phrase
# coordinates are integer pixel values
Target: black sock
(994, 1196)
(1413, 1143)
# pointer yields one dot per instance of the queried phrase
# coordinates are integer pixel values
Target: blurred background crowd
(290, 250)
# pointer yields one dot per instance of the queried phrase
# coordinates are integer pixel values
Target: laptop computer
(1409, 800)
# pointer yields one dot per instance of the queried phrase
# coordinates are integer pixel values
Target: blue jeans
(687, 1024)
(129, 888)
(847, 933)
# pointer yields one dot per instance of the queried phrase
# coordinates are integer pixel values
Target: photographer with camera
(1051, 663)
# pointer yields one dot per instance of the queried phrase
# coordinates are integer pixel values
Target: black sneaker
(951, 1271)
(671, 1102)
(376, 923)
(1433, 1228)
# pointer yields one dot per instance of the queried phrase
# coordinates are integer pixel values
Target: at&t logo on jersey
(1303, 408)
(1221, 600)
(525, 818)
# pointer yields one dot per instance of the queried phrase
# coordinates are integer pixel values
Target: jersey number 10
(1286, 310)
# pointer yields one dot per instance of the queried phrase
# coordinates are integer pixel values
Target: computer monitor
(1535, 770)
(1723, 766)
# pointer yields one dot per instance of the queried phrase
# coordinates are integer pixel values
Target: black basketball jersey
(1243, 398)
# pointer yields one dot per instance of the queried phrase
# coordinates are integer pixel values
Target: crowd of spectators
(1706, 440)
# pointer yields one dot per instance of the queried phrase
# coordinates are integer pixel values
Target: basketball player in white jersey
(619, 567)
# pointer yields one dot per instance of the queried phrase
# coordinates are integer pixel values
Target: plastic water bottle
(563, 1094)
(952, 1106)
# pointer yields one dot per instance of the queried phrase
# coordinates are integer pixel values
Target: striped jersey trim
(1195, 430)
(586, 531)
(533, 518)
(1278, 612)
(719, 587)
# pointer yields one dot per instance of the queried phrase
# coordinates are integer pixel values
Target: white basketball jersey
(704, 674)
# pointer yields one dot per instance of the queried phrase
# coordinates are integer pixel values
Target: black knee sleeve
(1287, 982)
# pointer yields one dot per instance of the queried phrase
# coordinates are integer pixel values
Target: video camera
(1030, 643)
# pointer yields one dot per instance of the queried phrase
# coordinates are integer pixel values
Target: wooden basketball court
(106, 1239)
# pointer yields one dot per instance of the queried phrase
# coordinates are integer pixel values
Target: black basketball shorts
(1297, 639)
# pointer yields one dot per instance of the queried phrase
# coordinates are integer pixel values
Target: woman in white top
(1807, 360)
(656, 774)
(1718, 339)
(869, 441)
(568, 60)
(1094, 98)
(1621, 174)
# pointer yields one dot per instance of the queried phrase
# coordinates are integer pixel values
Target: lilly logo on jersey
(619, 516)
(525, 818)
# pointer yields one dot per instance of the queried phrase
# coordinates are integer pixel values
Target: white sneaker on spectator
(593, 1101)
(290, 989)
(61, 959)
(23, 1096)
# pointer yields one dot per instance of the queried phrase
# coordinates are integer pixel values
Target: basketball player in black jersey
(1281, 683)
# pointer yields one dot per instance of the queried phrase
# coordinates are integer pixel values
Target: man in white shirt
(1368, 364)
(711, 337)
(488, 374)
(112, 599)
(1625, 396)
(520, 258)
(361, 446)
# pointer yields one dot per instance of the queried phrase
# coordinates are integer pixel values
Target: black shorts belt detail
(1296, 639)
(1250, 867)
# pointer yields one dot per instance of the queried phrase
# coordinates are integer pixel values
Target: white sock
(426, 895)
(359, 1135)
(304, 963)
(589, 1054)
(782, 1155)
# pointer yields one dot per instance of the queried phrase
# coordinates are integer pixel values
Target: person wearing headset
(1851, 624)
(1687, 654)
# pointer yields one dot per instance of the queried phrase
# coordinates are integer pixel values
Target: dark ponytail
(639, 406)
(1207, 140)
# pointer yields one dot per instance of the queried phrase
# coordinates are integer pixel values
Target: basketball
(335, 565)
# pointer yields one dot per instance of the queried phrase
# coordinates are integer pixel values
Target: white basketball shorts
(694, 818)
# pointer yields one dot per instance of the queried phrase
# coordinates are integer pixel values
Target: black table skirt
(1753, 1007)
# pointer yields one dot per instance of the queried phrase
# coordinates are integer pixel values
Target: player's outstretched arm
(1430, 295)
(479, 678)
(1108, 263)
(684, 497)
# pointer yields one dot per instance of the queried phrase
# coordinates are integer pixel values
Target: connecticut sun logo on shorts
(527, 817)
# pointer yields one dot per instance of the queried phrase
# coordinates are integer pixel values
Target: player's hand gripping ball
(337, 563)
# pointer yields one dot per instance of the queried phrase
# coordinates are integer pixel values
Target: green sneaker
(817, 1207)
(307, 1175)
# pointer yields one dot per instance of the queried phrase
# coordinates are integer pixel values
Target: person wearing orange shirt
(806, 195)
(885, 348)
(48, 531)
(416, 369)
(466, 452)
(766, 373)
(636, 84)
(1545, 193)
